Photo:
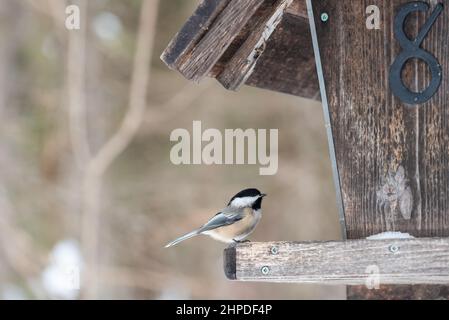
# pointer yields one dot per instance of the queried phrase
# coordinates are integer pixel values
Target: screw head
(394, 248)
(274, 250)
(265, 270)
(324, 17)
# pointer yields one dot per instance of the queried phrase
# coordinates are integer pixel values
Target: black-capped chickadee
(235, 222)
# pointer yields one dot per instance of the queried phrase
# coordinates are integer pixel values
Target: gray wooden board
(361, 262)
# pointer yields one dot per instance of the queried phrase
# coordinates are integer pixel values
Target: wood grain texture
(280, 56)
(298, 8)
(399, 292)
(243, 62)
(193, 30)
(392, 159)
(288, 64)
(220, 36)
(416, 261)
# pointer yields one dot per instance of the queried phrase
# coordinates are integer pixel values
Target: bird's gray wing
(224, 218)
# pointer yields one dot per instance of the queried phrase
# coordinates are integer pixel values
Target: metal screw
(324, 17)
(265, 270)
(394, 248)
(274, 250)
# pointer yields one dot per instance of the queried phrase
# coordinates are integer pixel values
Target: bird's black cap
(250, 193)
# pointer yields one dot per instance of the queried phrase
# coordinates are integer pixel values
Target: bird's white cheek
(243, 202)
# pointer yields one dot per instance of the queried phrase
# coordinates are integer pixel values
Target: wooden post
(392, 158)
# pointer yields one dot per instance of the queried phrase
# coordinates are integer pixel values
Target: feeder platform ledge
(351, 262)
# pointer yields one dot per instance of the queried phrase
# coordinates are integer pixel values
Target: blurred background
(88, 195)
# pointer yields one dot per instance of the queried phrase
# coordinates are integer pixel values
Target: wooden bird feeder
(381, 70)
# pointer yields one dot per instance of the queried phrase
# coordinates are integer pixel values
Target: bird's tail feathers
(183, 238)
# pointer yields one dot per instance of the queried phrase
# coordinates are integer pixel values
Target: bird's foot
(241, 241)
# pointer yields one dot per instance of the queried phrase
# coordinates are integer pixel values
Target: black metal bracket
(412, 49)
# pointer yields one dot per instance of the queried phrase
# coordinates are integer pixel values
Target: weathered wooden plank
(242, 64)
(284, 62)
(193, 30)
(392, 158)
(405, 261)
(211, 47)
(288, 65)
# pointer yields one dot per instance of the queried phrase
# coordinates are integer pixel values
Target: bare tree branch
(76, 63)
(98, 165)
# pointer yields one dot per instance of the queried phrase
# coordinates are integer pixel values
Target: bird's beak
(263, 195)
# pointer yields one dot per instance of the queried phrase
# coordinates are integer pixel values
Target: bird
(235, 222)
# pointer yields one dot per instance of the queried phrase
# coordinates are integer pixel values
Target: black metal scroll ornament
(412, 49)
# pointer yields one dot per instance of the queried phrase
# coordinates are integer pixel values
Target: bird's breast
(239, 230)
